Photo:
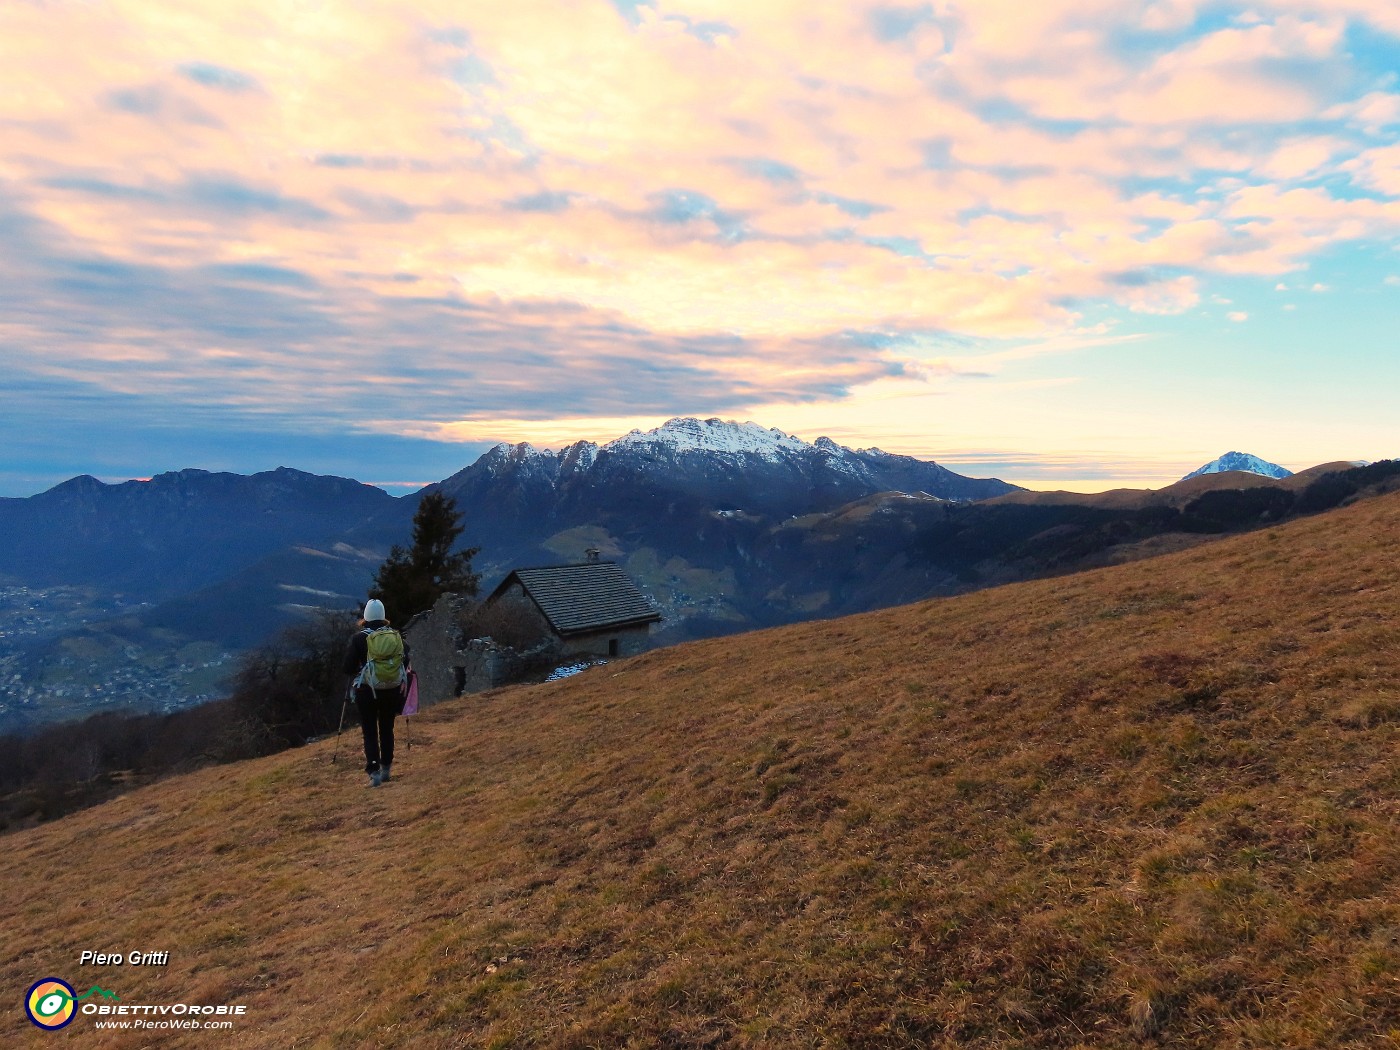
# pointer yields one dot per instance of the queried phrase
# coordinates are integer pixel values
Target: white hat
(374, 610)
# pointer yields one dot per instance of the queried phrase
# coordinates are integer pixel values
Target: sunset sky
(1070, 244)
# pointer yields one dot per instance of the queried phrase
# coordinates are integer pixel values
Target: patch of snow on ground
(573, 669)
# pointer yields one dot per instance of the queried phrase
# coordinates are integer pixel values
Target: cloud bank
(422, 219)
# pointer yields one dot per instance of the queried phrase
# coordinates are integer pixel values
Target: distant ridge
(1241, 461)
(1179, 493)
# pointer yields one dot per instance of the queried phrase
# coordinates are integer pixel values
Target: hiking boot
(376, 778)
(384, 772)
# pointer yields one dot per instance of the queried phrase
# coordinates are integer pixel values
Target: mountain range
(182, 531)
(717, 464)
(175, 532)
(131, 592)
(666, 488)
(143, 592)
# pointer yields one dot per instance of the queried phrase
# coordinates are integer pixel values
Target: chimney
(592, 554)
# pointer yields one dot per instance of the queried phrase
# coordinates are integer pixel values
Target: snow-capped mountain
(723, 438)
(701, 465)
(1241, 461)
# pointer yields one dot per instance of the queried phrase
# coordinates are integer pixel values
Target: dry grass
(1153, 804)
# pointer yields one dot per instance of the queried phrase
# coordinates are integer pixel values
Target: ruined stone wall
(434, 639)
(486, 665)
(450, 664)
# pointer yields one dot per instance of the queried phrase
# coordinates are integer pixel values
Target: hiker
(378, 658)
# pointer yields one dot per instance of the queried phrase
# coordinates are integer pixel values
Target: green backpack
(384, 663)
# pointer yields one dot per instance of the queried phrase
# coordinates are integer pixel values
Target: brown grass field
(1149, 805)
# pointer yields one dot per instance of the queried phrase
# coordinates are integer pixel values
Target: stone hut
(591, 609)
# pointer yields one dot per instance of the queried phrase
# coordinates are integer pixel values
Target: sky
(1075, 243)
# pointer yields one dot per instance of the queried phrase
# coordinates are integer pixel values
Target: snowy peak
(1241, 461)
(505, 450)
(688, 462)
(578, 457)
(527, 463)
(509, 458)
(723, 437)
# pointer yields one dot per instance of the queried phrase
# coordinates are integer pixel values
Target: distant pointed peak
(82, 483)
(1242, 461)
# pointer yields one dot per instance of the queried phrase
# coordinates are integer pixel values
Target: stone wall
(629, 642)
(450, 664)
(434, 639)
(485, 665)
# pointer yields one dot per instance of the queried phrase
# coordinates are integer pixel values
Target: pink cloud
(836, 180)
(1372, 113)
(1300, 157)
(1382, 14)
(1378, 169)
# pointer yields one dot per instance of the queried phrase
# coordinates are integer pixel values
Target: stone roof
(576, 599)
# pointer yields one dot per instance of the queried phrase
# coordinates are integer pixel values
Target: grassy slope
(1150, 803)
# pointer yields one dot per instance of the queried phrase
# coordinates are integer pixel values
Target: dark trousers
(377, 713)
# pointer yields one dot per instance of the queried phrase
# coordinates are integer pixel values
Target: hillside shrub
(63, 768)
(527, 649)
(1326, 492)
(291, 689)
(1229, 509)
(513, 624)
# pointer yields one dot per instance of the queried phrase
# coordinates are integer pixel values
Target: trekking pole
(343, 705)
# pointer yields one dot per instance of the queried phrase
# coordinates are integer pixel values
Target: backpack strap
(359, 681)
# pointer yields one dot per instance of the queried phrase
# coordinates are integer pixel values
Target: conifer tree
(412, 580)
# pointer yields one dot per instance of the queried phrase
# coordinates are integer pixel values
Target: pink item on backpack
(410, 704)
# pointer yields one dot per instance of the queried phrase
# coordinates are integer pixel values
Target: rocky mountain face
(1241, 461)
(682, 472)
